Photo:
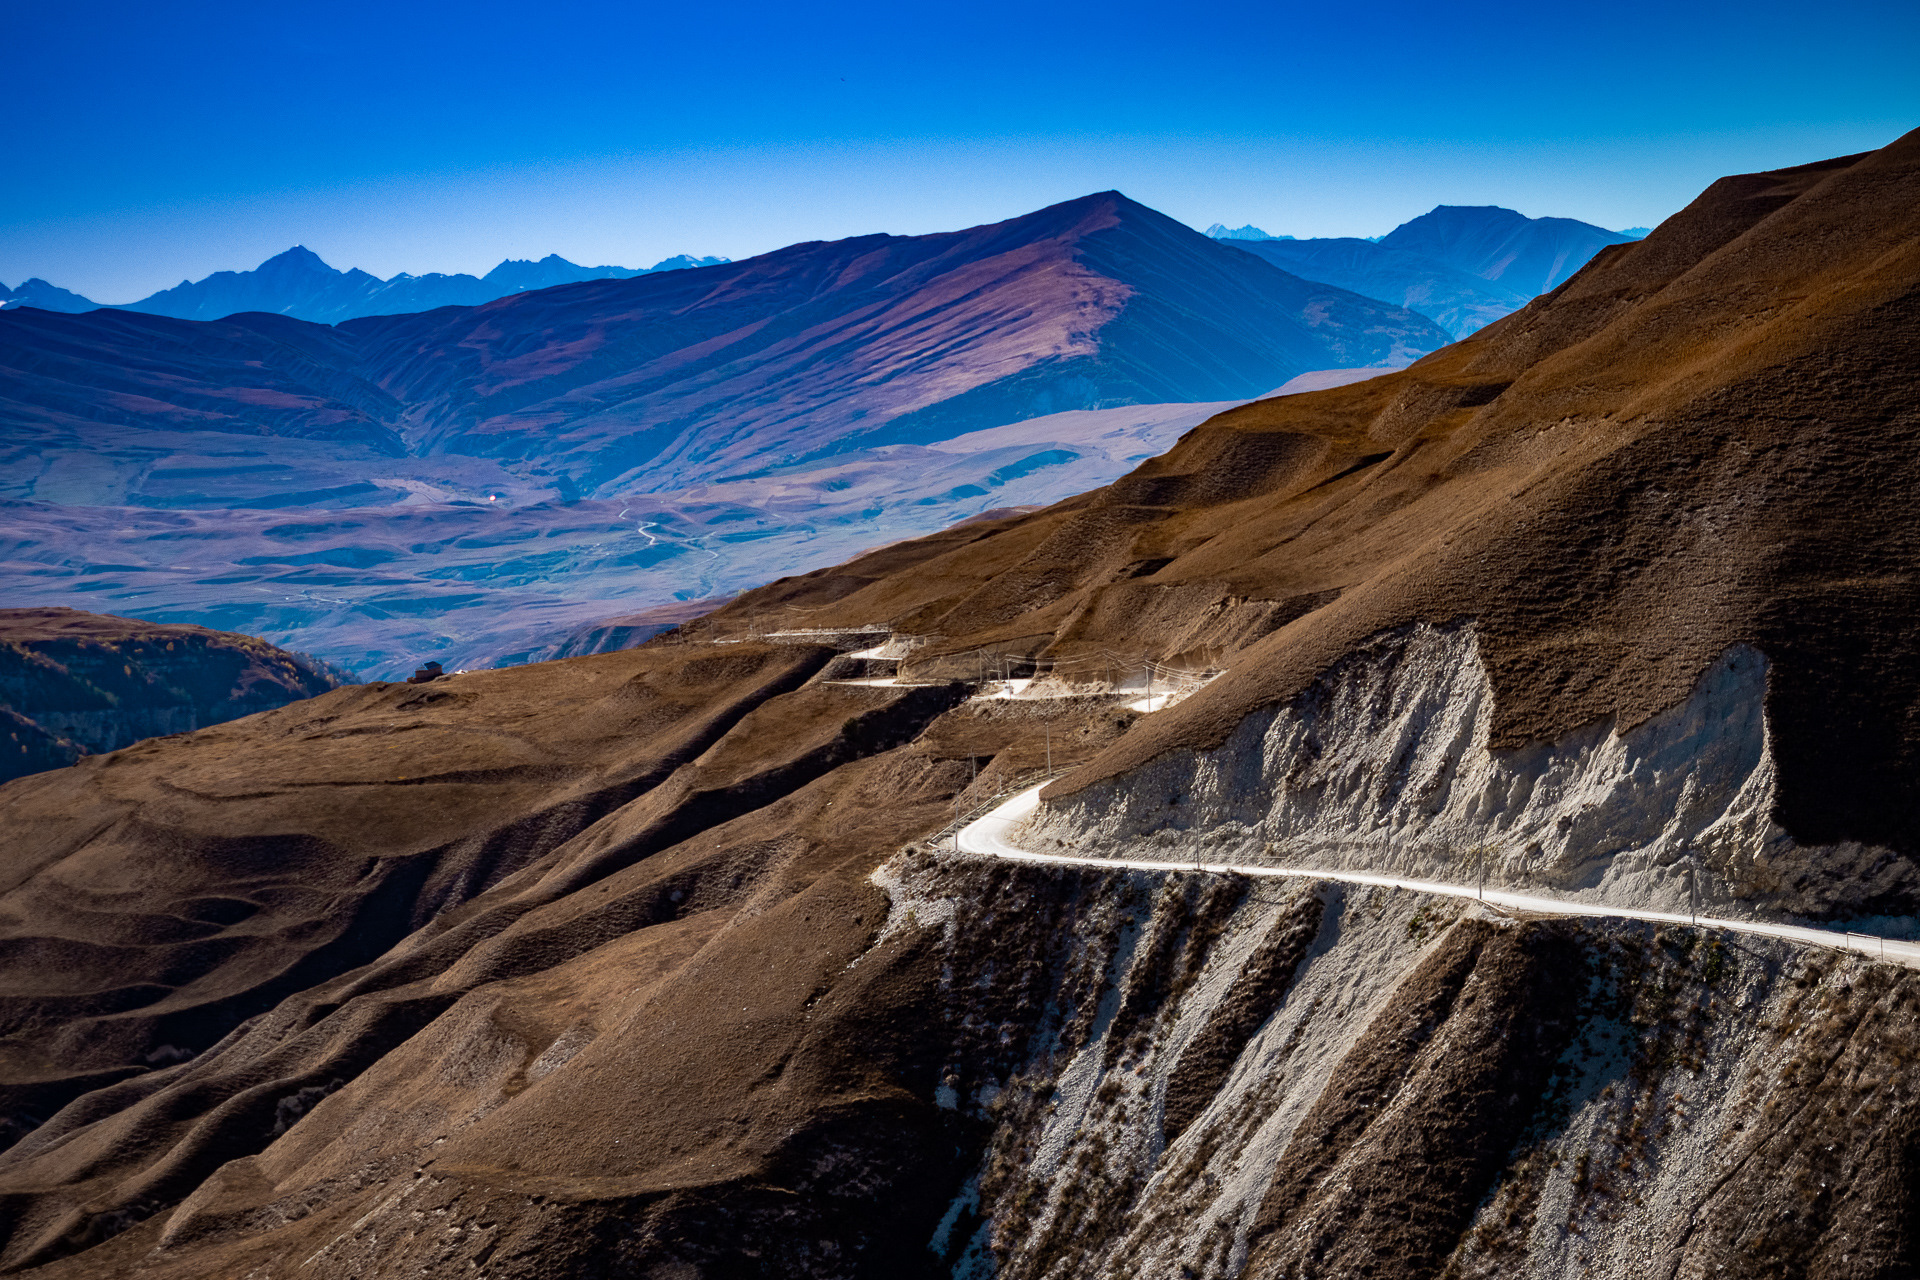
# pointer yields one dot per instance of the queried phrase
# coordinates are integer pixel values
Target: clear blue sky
(148, 142)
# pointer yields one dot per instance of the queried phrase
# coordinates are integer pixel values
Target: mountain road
(988, 836)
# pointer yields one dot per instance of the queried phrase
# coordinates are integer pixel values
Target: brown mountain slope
(303, 846)
(669, 980)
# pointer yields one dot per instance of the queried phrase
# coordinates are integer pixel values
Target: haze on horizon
(149, 146)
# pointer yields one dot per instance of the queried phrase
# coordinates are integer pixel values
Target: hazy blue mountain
(297, 283)
(1462, 267)
(1220, 231)
(1637, 233)
(47, 297)
(1527, 255)
(1458, 301)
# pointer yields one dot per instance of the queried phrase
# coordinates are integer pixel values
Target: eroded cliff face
(74, 684)
(1386, 763)
(1225, 1081)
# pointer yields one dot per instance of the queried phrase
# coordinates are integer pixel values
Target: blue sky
(148, 142)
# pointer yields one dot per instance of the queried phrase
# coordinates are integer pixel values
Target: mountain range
(297, 283)
(43, 296)
(723, 419)
(1221, 231)
(1381, 835)
(1461, 266)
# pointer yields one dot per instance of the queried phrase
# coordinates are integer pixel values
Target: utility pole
(1149, 684)
(1483, 873)
(1693, 891)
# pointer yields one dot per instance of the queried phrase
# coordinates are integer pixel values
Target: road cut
(988, 836)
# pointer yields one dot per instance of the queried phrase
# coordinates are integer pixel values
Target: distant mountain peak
(298, 256)
(1526, 255)
(1475, 213)
(1091, 202)
(682, 261)
(1220, 231)
(42, 296)
(297, 282)
(1463, 266)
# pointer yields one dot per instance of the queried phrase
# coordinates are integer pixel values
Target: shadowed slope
(74, 683)
(65, 376)
(1462, 267)
(1457, 300)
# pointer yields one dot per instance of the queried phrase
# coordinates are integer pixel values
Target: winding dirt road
(988, 834)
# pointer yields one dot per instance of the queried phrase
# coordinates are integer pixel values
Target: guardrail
(1868, 943)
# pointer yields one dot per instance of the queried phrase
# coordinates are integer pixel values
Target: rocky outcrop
(1437, 1093)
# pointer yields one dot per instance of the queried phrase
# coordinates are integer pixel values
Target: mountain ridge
(298, 283)
(726, 409)
(1463, 266)
(75, 684)
(1023, 299)
(1530, 256)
